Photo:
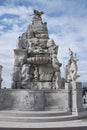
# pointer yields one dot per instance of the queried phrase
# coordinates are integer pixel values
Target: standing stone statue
(1, 75)
(36, 65)
(71, 68)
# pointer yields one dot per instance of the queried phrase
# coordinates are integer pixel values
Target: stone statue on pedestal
(36, 65)
(71, 68)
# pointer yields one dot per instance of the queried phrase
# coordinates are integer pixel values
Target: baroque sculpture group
(37, 84)
(36, 65)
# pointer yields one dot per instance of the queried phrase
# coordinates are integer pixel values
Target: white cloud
(19, 10)
(1, 27)
(8, 21)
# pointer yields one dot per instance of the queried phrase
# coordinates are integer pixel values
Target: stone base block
(42, 100)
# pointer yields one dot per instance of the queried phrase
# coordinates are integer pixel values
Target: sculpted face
(20, 57)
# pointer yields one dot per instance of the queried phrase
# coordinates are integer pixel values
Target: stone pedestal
(58, 100)
(76, 97)
(41, 100)
(23, 100)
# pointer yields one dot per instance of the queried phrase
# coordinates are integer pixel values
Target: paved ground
(65, 124)
(80, 124)
(74, 128)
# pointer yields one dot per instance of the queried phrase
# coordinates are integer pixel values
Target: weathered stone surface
(26, 100)
(46, 73)
(76, 97)
(37, 29)
(21, 100)
(54, 100)
(16, 74)
(20, 57)
(36, 58)
(39, 85)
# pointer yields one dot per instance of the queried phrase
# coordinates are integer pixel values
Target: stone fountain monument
(36, 66)
(36, 78)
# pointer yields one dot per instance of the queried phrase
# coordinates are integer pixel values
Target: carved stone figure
(74, 68)
(37, 16)
(56, 67)
(38, 13)
(22, 41)
(36, 65)
(71, 67)
(20, 57)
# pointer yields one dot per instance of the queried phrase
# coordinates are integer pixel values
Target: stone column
(0, 75)
(76, 97)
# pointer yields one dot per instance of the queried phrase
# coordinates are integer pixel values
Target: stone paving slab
(65, 124)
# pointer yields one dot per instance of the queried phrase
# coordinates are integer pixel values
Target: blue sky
(67, 25)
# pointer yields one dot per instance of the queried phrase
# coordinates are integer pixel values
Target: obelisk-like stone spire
(36, 65)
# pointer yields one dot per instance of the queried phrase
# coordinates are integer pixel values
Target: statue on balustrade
(71, 68)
